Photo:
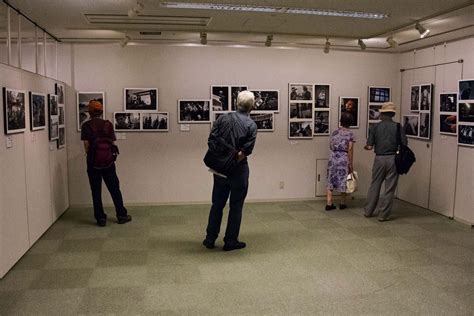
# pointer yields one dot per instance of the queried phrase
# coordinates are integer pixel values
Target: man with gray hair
(238, 129)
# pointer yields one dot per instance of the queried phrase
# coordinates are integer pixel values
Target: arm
(86, 146)
(370, 139)
(350, 154)
(247, 148)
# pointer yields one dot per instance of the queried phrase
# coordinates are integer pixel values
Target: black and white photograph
(411, 125)
(425, 97)
(301, 129)
(321, 123)
(415, 98)
(264, 120)
(466, 112)
(155, 121)
(37, 111)
(322, 95)
(234, 92)
(350, 105)
(448, 102)
(466, 89)
(61, 137)
(425, 125)
(53, 104)
(301, 92)
(59, 91)
(140, 99)
(14, 111)
(220, 98)
(216, 114)
(466, 135)
(61, 114)
(126, 121)
(374, 114)
(379, 94)
(301, 110)
(447, 124)
(83, 99)
(53, 127)
(266, 100)
(194, 111)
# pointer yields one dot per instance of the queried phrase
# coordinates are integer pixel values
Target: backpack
(103, 151)
(405, 157)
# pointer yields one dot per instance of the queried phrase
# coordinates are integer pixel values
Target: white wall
(442, 179)
(167, 167)
(33, 187)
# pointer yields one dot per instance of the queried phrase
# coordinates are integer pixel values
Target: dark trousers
(236, 186)
(112, 182)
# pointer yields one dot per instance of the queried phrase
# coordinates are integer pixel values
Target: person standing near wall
(99, 137)
(239, 129)
(383, 138)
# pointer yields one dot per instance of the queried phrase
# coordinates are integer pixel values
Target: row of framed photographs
(141, 122)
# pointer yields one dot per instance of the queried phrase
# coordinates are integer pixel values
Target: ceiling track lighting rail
(33, 22)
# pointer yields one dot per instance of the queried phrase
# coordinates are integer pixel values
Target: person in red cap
(99, 137)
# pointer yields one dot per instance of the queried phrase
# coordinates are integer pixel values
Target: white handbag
(352, 182)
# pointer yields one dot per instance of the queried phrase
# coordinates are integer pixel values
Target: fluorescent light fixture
(422, 30)
(203, 37)
(268, 42)
(393, 43)
(327, 46)
(271, 9)
(361, 44)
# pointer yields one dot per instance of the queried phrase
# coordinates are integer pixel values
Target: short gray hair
(245, 101)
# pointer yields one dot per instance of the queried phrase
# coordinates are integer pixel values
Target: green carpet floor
(299, 260)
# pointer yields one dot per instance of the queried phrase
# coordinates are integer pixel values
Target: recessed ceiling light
(271, 9)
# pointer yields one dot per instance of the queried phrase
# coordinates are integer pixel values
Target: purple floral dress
(338, 164)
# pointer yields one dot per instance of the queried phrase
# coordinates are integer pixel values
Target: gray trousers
(384, 169)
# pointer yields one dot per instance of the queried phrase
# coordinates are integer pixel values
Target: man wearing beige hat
(384, 140)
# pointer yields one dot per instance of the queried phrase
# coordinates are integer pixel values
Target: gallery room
(236, 157)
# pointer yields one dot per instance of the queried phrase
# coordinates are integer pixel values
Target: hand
(367, 147)
(350, 168)
(240, 156)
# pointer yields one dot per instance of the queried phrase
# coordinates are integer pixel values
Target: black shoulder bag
(405, 157)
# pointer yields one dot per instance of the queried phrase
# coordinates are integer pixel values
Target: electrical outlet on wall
(9, 142)
(282, 184)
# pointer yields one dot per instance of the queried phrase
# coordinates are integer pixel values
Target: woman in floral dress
(340, 161)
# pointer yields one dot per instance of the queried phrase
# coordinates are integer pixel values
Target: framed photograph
(425, 97)
(220, 98)
(425, 125)
(411, 125)
(466, 111)
(301, 130)
(379, 94)
(53, 104)
(448, 102)
(466, 135)
(374, 112)
(216, 114)
(301, 92)
(83, 99)
(322, 96)
(62, 137)
(37, 111)
(264, 120)
(53, 127)
(140, 99)
(447, 124)
(415, 98)
(14, 111)
(127, 121)
(62, 115)
(59, 91)
(155, 122)
(234, 92)
(194, 111)
(466, 89)
(301, 110)
(266, 100)
(350, 105)
(321, 123)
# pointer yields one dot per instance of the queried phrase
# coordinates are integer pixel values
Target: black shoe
(330, 207)
(342, 206)
(234, 245)
(209, 244)
(102, 223)
(123, 220)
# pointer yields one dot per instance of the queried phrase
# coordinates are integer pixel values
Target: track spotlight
(393, 43)
(327, 46)
(422, 30)
(269, 40)
(135, 10)
(203, 36)
(125, 41)
(362, 44)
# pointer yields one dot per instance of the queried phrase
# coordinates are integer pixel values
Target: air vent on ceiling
(147, 20)
(150, 33)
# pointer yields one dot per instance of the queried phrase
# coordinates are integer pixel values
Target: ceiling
(70, 21)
